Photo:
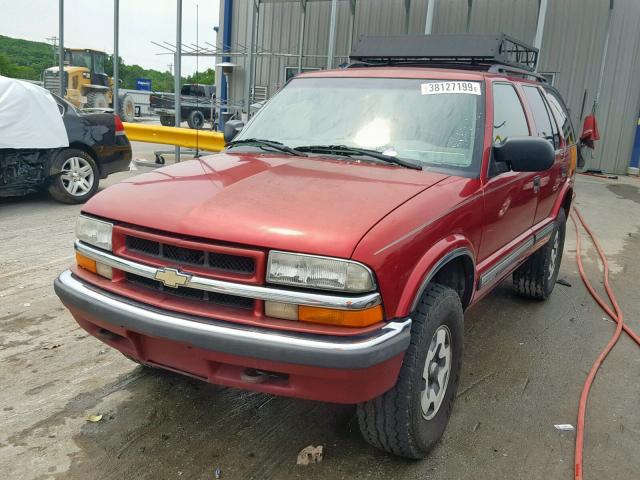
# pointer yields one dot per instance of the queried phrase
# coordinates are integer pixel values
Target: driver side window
(509, 119)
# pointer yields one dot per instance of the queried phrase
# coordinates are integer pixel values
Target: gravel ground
(524, 366)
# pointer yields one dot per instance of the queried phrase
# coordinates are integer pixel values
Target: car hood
(310, 205)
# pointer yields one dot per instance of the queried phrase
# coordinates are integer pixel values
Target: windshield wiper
(260, 143)
(365, 152)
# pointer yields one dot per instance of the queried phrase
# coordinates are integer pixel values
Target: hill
(27, 59)
(24, 58)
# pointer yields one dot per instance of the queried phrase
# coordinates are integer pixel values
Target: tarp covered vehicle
(46, 143)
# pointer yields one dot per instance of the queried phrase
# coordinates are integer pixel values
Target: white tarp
(29, 117)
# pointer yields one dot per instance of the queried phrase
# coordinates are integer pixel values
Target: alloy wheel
(553, 257)
(435, 376)
(77, 176)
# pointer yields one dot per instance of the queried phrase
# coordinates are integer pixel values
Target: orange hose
(615, 315)
(597, 297)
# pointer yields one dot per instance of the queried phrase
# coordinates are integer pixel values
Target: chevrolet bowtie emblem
(171, 277)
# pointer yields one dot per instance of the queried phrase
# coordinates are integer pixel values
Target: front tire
(75, 176)
(195, 120)
(97, 99)
(411, 417)
(537, 276)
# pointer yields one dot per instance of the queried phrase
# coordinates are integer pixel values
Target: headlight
(323, 273)
(94, 232)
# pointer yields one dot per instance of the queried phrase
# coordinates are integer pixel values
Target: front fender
(443, 251)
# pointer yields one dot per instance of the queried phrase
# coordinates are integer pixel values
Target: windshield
(99, 66)
(79, 59)
(407, 118)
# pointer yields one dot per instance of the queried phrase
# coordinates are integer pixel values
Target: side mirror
(590, 132)
(231, 129)
(525, 154)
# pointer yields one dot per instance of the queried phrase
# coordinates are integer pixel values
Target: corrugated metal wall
(572, 47)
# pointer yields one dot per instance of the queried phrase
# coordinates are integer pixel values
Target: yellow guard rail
(183, 137)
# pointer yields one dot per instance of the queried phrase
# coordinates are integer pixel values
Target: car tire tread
(57, 190)
(532, 279)
(386, 422)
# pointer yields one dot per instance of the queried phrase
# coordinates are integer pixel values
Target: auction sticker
(437, 88)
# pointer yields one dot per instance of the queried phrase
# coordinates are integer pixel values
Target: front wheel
(411, 417)
(537, 276)
(96, 99)
(75, 176)
(195, 120)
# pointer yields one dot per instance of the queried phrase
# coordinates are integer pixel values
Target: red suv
(330, 251)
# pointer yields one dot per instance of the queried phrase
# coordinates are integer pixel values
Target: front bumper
(331, 368)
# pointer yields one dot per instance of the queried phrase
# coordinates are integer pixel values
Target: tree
(207, 77)
(27, 60)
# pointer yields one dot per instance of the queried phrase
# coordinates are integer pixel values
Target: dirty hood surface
(310, 205)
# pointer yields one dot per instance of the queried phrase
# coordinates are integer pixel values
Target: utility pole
(54, 43)
(61, 47)
(177, 70)
(116, 53)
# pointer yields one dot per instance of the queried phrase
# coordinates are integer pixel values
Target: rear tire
(167, 121)
(537, 276)
(75, 176)
(411, 417)
(195, 120)
(126, 108)
(97, 99)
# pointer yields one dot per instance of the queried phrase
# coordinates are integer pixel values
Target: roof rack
(459, 51)
(517, 71)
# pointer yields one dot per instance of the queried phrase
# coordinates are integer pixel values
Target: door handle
(536, 184)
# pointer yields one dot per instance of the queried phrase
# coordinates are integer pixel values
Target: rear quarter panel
(93, 130)
(95, 133)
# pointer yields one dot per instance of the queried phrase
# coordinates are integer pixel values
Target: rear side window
(508, 116)
(562, 116)
(545, 127)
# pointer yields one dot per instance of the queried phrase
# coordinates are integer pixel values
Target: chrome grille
(52, 82)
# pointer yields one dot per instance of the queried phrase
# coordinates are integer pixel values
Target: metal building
(590, 49)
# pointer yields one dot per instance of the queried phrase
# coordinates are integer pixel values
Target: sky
(89, 24)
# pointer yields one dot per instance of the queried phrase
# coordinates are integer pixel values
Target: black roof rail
(518, 71)
(452, 50)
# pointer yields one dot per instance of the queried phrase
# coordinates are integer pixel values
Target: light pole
(116, 54)
(61, 46)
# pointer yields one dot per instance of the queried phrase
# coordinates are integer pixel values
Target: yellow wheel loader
(85, 83)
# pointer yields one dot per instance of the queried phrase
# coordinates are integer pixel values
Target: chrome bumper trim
(329, 351)
(257, 292)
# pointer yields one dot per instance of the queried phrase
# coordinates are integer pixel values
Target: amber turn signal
(345, 318)
(94, 267)
(86, 263)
